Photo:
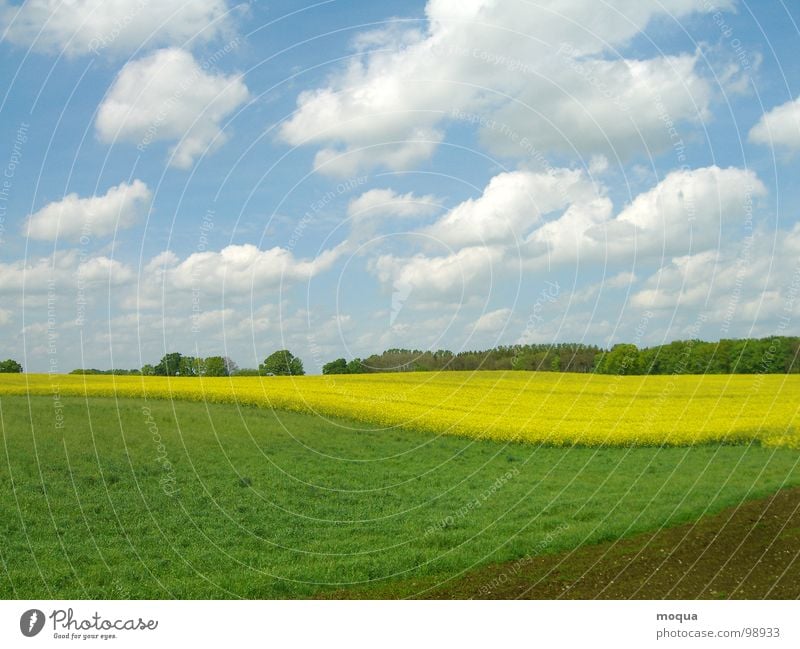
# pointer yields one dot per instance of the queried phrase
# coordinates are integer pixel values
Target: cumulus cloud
(616, 107)
(63, 271)
(592, 291)
(687, 211)
(526, 74)
(418, 146)
(83, 27)
(493, 321)
(700, 205)
(169, 96)
(750, 283)
(105, 270)
(511, 205)
(464, 272)
(33, 276)
(779, 127)
(235, 270)
(96, 216)
(386, 202)
(533, 221)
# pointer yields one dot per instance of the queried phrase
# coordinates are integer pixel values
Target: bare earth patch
(747, 552)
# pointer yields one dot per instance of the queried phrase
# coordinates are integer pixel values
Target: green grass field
(190, 500)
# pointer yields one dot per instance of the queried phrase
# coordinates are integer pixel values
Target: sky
(343, 177)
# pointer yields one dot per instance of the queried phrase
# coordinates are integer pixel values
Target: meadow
(127, 497)
(560, 409)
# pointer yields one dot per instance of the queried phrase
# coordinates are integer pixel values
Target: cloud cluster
(80, 27)
(780, 127)
(96, 216)
(169, 96)
(242, 269)
(535, 220)
(377, 203)
(534, 76)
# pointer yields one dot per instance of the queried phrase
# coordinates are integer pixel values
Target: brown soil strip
(748, 552)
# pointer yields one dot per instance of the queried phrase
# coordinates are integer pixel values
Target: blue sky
(343, 177)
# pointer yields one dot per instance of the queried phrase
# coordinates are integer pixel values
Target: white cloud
(419, 145)
(97, 216)
(598, 164)
(514, 68)
(105, 270)
(169, 96)
(700, 205)
(591, 292)
(493, 321)
(616, 107)
(464, 272)
(386, 202)
(511, 205)
(79, 27)
(779, 127)
(240, 269)
(688, 211)
(533, 221)
(566, 239)
(60, 275)
(33, 276)
(742, 285)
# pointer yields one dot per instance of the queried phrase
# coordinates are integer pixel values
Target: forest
(776, 355)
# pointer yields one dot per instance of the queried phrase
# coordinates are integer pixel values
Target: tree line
(776, 355)
(279, 363)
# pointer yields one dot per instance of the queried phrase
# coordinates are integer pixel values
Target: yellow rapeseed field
(551, 408)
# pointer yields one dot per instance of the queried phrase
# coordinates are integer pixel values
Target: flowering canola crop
(548, 408)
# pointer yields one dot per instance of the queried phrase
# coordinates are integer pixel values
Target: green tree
(356, 367)
(230, 365)
(169, 365)
(10, 366)
(214, 366)
(282, 363)
(339, 366)
(190, 366)
(148, 370)
(622, 359)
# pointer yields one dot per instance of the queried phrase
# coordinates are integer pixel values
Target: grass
(190, 500)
